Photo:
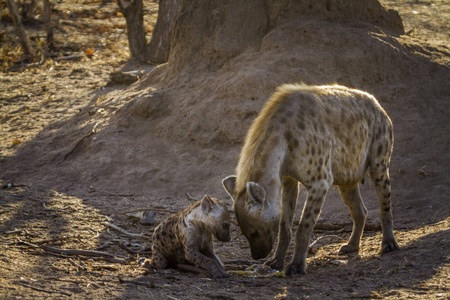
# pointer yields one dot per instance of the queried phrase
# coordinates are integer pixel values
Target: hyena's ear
(256, 192)
(229, 183)
(207, 203)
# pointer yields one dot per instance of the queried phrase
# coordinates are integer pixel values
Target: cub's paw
(294, 268)
(219, 274)
(275, 264)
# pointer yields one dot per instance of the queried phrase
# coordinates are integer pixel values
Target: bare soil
(76, 150)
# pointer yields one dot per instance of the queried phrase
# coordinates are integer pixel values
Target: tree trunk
(25, 43)
(159, 47)
(133, 13)
(48, 25)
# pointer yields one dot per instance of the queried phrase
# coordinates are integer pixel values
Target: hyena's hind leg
(379, 173)
(352, 198)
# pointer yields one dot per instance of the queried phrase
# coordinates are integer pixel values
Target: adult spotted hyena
(318, 136)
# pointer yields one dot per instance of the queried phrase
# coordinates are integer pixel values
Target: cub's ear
(256, 192)
(207, 203)
(229, 183)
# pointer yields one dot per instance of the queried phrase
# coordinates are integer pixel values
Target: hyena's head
(217, 217)
(252, 216)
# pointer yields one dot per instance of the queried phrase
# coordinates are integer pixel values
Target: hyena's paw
(218, 272)
(294, 268)
(347, 249)
(389, 246)
(275, 264)
(147, 264)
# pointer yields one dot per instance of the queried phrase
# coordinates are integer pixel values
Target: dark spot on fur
(380, 149)
(300, 125)
(313, 150)
(387, 209)
(317, 211)
(308, 215)
(283, 120)
(288, 136)
(313, 178)
(289, 114)
(307, 225)
(319, 177)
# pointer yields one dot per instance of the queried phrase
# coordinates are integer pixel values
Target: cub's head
(257, 223)
(217, 217)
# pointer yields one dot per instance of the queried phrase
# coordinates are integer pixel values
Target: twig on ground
(81, 140)
(43, 290)
(103, 246)
(56, 239)
(105, 255)
(78, 266)
(144, 209)
(13, 231)
(136, 235)
(190, 197)
(240, 262)
(323, 237)
(122, 245)
(45, 207)
(70, 57)
(120, 195)
(189, 268)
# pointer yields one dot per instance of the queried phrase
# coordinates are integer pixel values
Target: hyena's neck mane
(258, 133)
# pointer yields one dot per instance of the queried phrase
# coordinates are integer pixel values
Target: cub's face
(220, 221)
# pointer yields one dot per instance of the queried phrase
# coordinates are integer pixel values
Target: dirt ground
(61, 189)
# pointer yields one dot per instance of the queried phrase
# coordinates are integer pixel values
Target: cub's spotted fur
(187, 237)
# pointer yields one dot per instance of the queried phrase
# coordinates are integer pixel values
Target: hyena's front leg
(158, 261)
(194, 256)
(288, 203)
(208, 251)
(310, 214)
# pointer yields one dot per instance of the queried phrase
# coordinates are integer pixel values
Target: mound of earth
(181, 127)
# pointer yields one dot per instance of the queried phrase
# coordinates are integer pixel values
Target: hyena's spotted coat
(187, 237)
(319, 136)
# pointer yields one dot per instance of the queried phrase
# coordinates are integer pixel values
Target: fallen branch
(70, 57)
(136, 235)
(81, 140)
(80, 252)
(45, 207)
(43, 290)
(122, 245)
(240, 262)
(120, 195)
(191, 198)
(144, 209)
(192, 269)
(78, 266)
(323, 237)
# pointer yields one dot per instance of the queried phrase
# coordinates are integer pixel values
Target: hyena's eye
(225, 225)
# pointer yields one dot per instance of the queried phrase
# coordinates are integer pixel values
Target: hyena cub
(187, 237)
